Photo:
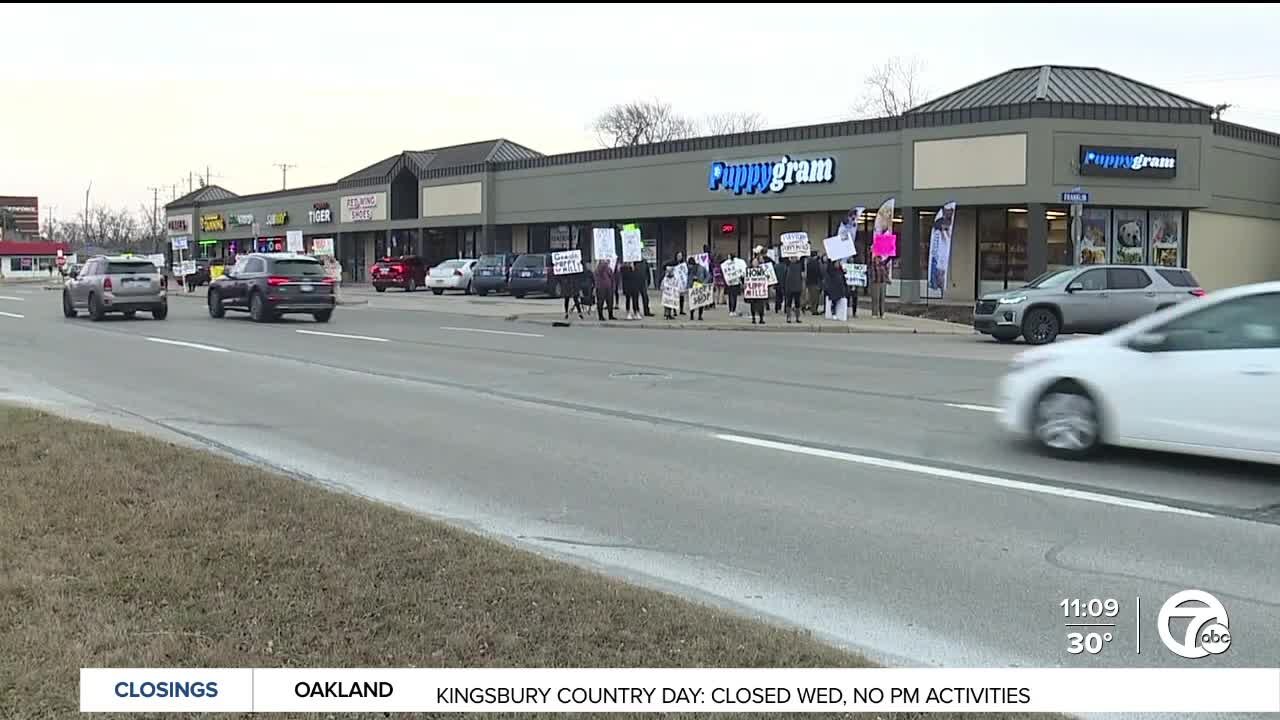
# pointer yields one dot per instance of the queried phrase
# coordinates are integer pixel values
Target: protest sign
(839, 247)
(632, 246)
(769, 273)
(322, 246)
(681, 273)
(733, 271)
(885, 245)
(855, 275)
(703, 259)
(293, 241)
(757, 285)
(184, 268)
(605, 245)
(180, 242)
(795, 244)
(566, 262)
(670, 294)
(699, 296)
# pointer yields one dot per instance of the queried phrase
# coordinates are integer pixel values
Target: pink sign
(885, 245)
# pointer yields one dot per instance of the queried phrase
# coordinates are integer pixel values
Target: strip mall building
(1165, 184)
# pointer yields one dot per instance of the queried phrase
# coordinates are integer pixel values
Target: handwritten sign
(757, 285)
(795, 244)
(703, 259)
(670, 294)
(733, 271)
(885, 245)
(184, 268)
(632, 246)
(855, 275)
(699, 296)
(322, 246)
(769, 273)
(293, 240)
(566, 262)
(181, 242)
(605, 246)
(681, 273)
(839, 247)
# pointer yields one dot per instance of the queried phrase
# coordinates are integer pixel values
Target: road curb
(781, 328)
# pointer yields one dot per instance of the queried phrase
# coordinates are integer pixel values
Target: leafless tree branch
(729, 123)
(892, 88)
(640, 123)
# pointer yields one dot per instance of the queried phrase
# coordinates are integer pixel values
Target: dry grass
(120, 550)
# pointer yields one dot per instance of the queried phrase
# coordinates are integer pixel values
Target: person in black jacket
(837, 292)
(632, 286)
(780, 269)
(569, 286)
(794, 286)
(813, 282)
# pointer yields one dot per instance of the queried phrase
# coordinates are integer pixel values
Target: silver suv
(119, 284)
(1086, 299)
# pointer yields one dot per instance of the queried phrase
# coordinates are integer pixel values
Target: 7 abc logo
(1207, 630)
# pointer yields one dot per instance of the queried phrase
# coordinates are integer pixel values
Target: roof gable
(1059, 84)
(206, 194)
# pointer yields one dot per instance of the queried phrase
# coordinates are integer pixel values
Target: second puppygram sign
(795, 244)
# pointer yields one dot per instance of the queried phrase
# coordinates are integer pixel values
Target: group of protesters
(812, 285)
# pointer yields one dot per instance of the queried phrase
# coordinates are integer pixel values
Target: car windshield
(490, 261)
(1052, 279)
(530, 261)
(1178, 278)
(298, 268)
(131, 267)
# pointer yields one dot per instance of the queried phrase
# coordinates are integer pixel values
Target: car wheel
(130, 314)
(482, 293)
(258, 308)
(68, 308)
(518, 295)
(380, 288)
(323, 316)
(1066, 422)
(215, 304)
(1004, 338)
(1040, 326)
(437, 291)
(96, 313)
(160, 311)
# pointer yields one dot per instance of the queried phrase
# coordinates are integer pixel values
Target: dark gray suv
(1086, 299)
(269, 285)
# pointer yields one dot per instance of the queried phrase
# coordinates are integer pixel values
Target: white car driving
(1202, 377)
(451, 275)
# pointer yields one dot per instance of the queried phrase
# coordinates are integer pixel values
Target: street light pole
(86, 213)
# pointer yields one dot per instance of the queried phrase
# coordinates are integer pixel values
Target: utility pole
(86, 213)
(190, 187)
(155, 211)
(284, 174)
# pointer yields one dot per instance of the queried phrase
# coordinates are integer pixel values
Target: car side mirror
(1075, 286)
(1149, 342)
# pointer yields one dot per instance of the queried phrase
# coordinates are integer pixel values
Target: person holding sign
(757, 290)
(879, 277)
(632, 285)
(698, 275)
(569, 286)
(734, 269)
(604, 290)
(837, 292)
(794, 287)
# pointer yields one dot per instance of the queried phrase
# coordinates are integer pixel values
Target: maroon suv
(408, 272)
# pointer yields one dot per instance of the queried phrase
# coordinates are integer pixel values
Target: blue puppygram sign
(1128, 162)
(769, 176)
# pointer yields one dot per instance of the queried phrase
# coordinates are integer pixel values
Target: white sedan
(451, 275)
(1202, 377)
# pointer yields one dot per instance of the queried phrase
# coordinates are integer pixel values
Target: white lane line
(341, 335)
(11, 297)
(179, 343)
(965, 476)
(978, 408)
(492, 332)
(12, 315)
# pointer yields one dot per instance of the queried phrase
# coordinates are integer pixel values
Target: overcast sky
(137, 96)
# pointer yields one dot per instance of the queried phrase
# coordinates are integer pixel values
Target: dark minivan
(492, 274)
(532, 274)
(269, 285)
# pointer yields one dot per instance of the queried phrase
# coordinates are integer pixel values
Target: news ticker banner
(1066, 690)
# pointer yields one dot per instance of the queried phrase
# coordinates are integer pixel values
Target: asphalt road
(852, 484)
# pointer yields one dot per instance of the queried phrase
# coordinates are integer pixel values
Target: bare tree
(642, 122)
(892, 88)
(730, 123)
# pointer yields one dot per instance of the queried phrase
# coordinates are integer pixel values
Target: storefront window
(1129, 237)
(924, 230)
(1002, 248)
(1059, 255)
(1166, 238)
(728, 236)
(1095, 237)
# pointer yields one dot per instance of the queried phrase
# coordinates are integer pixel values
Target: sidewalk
(717, 318)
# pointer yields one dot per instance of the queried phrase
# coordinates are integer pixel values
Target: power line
(284, 174)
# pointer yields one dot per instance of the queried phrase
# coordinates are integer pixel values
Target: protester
(697, 275)
(675, 262)
(605, 289)
(780, 270)
(794, 286)
(632, 285)
(646, 280)
(717, 279)
(837, 292)
(569, 286)
(878, 276)
(757, 305)
(669, 280)
(813, 282)
(734, 289)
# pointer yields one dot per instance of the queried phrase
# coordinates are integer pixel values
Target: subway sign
(769, 176)
(1128, 161)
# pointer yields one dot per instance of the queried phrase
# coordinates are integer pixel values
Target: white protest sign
(157, 260)
(605, 245)
(699, 296)
(670, 294)
(682, 275)
(769, 273)
(757, 285)
(703, 259)
(839, 247)
(795, 244)
(180, 242)
(566, 262)
(322, 246)
(650, 252)
(293, 241)
(855, 275)
(185, 268)
(632, 246)
(733, 272)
